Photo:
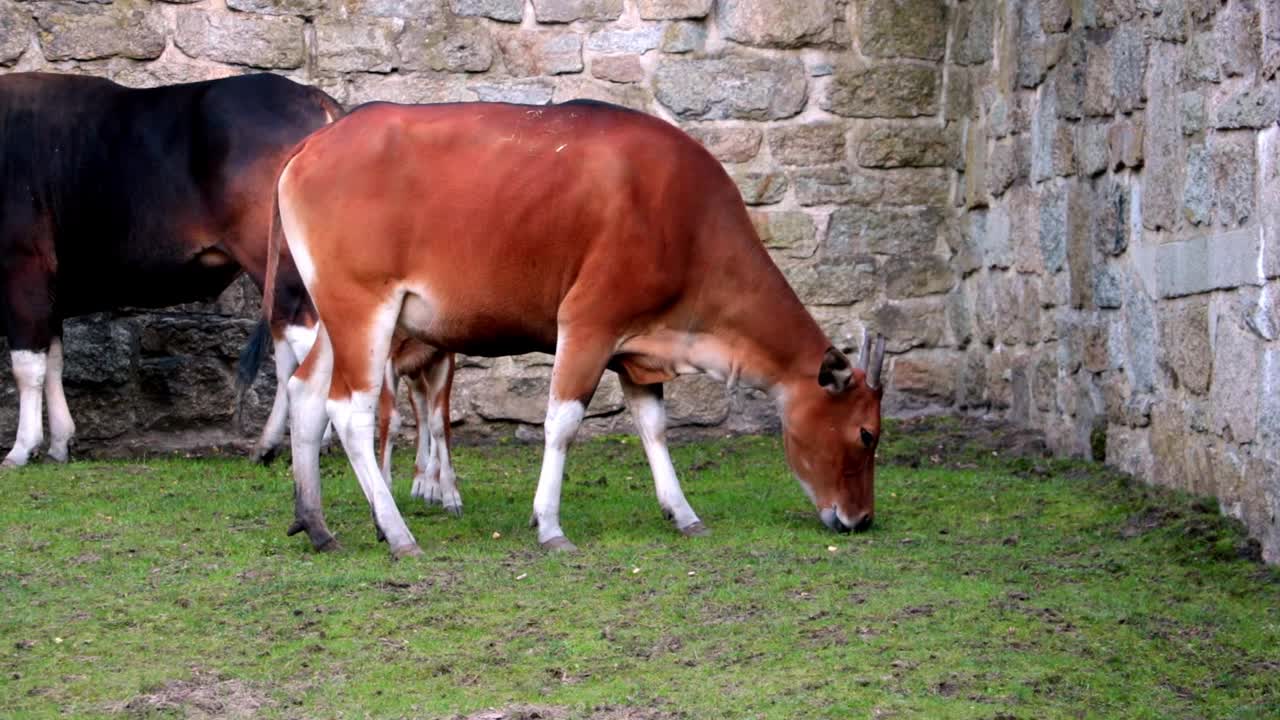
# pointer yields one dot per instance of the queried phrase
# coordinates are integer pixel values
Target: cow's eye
(868, 440)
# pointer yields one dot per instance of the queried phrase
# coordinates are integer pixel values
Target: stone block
(1163, 175)
(1238, 34)
(98, 351)
(837, 185)
(975, 166)
(737, 87)
(729, 143)
(1109, 216)
(904, 28)
(1108, 292)
(808, 144)
(635, 41)
(578, 87)
(907, 324)
(1237, 382)
(761, 187)
(407, 88)
(1197, 194)
(511, 11)
(528, 53)
(1251, 107)
(15, 32)
(1055, 15)
(1052, 151)
(316, 7)
(1191, 110)
(929, 376)
(997, 249)
(790, 232)
(523, 92)
(1124, 144)
(917, 276)
(771, 24)
(565, 11)
(909, 146)
(446, 45)
(958, 103)
(1234, 177)
(684, 37)
(974, 32)
(833, 284)
(1189, 267)
(889, 90)
(673, 9)
(695, 400)
(1002, 167)
(617, 68)
(357, 44)
(74, 31)
(854, 231)
(1185, 345)
(1092, 149)
(262, 41)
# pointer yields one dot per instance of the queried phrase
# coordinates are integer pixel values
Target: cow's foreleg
(574, 377)
(360, 357)
(61, 426)
(268, 446)
(645, 403)
(308, 389)
(29, 369)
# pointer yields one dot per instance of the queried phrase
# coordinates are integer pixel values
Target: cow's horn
(863, 349)
(877, 361)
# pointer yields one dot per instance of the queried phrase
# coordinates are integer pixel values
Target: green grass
(990, 586)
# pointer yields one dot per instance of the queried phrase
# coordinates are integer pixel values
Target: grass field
(991, 586)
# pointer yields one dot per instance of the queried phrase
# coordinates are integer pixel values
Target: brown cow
(600, 234)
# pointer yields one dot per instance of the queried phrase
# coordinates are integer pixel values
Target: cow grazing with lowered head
(606, 236)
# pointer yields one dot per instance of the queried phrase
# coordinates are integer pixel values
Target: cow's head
(832, 425)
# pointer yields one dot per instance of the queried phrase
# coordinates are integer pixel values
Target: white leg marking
(61, 426)
(300, 339)
(450, 498)
(651, 422)
(563, 419)
(426, 477)
(273, 431)
(28, 373)
(307, 425)
(355, 419)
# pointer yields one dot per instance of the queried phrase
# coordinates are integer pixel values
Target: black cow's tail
(251, 358)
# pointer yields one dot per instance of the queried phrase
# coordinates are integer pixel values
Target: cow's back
(141, 187)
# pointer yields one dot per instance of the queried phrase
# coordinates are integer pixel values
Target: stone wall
(1061, 212)
(1117, 235)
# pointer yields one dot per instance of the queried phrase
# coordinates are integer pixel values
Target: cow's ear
(836, 373)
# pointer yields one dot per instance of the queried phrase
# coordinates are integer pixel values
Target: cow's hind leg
(645, 403)
(580, 360)
(360, 356)
(437, 382)
(388, 421)
(61, 426)
(426, 466)
(308, 389)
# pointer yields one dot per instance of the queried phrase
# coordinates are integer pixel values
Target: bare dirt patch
(205, 695)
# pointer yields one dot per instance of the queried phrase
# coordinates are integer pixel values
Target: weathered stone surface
(505, 10)
(1185, 346)
(837, 185)
(761, 188)
(1254, 107)
(854, 231)
(563, 11)
(974, 32)
(770, 24)
(1202, 264)
(1197, 194)
(1109, 217)
(792, 233)
(72, 31)
(695, 400)
(578, 87)
(731, 87)
(1192, 113)
(524, 398)
(1234, 177)
(928, 376)
(1234, 391)
(529, 54)
(1002, 167)
(833, 284)
(684, 37)
(407, 88)
(1107, 291)
(909, 277)
(729, 143)
(904, 28)
(808, 144)
(637, 40)
(1052, 154)
(617, 68)
(907, 324)
(1237, 33)
(305, 7)
(890, 90)
(446, 45)
(975, 166)
(15, 32)
(1202, 63)
(365, 44)
(262, 41)
(98, 351)
(1092, 149)
(673, 9)
(958, 103)
(1128, 51)
(1165, 155)
(525, 92)
(909, 146)
(1124, 144)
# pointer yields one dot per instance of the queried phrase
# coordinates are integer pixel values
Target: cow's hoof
(264, 456)
(454, 510)
(406, 551)
(696, 529)
(331, 545)
(59, 455)
(559, 544)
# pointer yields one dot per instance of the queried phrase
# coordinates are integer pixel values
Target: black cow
(112, 196)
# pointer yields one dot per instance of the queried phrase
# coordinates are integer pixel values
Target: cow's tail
(251, 358)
